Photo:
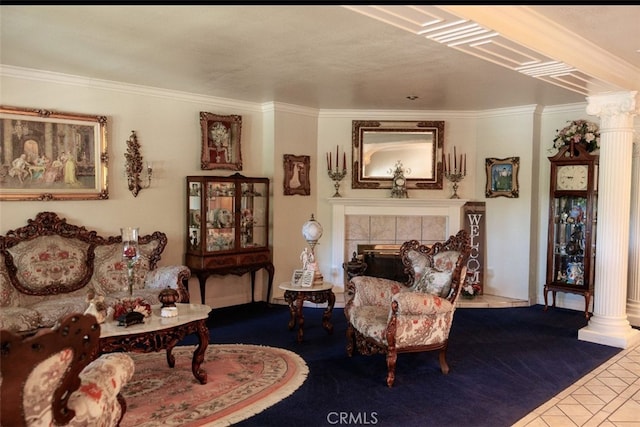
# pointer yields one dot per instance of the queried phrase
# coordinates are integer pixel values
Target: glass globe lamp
(312, 231)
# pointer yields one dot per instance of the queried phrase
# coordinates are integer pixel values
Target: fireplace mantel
(343, 206)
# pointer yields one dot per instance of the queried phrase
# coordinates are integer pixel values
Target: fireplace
(383, 261)
(383, 222)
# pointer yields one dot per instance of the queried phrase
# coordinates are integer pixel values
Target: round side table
(295, 296)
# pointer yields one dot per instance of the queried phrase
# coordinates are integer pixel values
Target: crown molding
(281, 107)
(72, 80)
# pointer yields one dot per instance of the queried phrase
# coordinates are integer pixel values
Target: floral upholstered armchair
(54, 377)
(386, 316)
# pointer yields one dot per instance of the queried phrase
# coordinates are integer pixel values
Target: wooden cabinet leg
(202, 278)
(587, 300)
(271, 272)
(253, 285)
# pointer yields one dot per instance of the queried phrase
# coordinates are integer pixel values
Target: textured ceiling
(325, 57)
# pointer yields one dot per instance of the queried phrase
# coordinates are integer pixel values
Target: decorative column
(633, 295)
(609, 324)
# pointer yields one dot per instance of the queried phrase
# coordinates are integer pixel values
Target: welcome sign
(474, 224)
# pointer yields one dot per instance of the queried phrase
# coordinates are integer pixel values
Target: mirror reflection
(378, 146)
(381, 150)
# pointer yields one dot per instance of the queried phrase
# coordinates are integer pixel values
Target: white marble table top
(186, 313)
(288, 286)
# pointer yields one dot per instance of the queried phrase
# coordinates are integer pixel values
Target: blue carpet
(504, 363)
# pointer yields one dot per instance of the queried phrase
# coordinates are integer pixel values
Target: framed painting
(296, 175)
(502, 177)
(48, 155)
(221, 141)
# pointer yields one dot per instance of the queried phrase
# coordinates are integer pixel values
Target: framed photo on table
(302, 278)
(52, 155)
(502, 177)
(220, 141)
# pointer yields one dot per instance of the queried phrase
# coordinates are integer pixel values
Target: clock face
(399, 182)
(572, 177)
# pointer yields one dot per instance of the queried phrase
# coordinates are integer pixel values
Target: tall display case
(571, 246)
(228, 228)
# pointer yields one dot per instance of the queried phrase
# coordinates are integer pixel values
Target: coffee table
(296, 295)
(161, 333)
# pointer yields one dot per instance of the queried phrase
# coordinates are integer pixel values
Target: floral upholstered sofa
(48, 268)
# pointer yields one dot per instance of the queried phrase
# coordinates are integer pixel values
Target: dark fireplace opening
(383, 260)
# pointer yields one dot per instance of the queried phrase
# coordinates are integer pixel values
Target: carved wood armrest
(171, 276)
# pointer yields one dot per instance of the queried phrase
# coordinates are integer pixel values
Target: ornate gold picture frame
(378, 145)
(502, 177)
(48, 155)
(296, 175)
(221, 141)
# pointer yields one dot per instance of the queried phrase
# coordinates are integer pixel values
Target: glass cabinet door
(253, 211)
(570, 241)
(220, 213)
(195, 220)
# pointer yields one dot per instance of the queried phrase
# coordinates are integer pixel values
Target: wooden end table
(295, 296)
(161, 333)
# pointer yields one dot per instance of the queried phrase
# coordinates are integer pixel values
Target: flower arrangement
(470, 291)
(125, 306)
(579, 132)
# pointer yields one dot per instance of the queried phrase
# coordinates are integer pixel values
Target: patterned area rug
(243, 380)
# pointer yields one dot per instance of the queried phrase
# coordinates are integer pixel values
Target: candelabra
(454, 177)
(337, 176)
(134, 166)
(456, 174)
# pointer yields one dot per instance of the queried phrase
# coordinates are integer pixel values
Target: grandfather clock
(571, 248)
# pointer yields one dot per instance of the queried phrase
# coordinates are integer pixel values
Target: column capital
(612, 104)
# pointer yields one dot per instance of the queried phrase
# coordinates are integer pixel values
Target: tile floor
(609, 396)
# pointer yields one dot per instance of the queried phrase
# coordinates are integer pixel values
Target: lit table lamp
(312, 231)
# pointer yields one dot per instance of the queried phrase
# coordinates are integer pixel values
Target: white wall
(168, 130)
(295, 133)
(504, 134)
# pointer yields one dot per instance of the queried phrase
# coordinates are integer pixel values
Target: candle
(449, 156)
(455, 160)
(337, 160)
(344, 161)
(329, 157)
(465, 163)
(444, 164)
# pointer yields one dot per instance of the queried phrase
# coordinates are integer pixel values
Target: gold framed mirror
(378, 145)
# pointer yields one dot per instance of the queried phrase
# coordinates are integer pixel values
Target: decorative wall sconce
(134, 166)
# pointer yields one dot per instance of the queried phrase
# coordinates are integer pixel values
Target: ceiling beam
(524, 26)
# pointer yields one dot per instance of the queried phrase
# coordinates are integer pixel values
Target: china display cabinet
(571, 246)
(228, 228)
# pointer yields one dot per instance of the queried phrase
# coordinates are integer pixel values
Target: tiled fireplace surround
(389, 221)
